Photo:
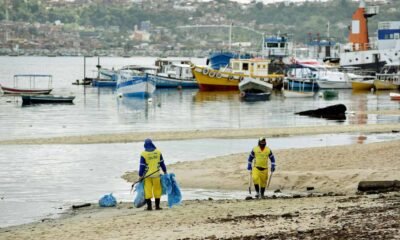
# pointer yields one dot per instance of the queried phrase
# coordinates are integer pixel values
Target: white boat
(324, 76)
(28, 84)
(134, 84)
(173, 73)
(252, 89)
(394, 96)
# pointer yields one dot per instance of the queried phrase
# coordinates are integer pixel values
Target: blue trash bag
(108, 201)
(166, 184)
(171, 188)
(139, 200)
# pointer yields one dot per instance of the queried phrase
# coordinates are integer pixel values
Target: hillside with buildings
(167, 27)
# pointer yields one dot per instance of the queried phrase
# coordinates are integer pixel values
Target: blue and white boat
(108, 78)
(302, 77)
(173, 73)
(134, 84)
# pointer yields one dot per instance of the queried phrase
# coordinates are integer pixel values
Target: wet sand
(212, 133)
(338, 215)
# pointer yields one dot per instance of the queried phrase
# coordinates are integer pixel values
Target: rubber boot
(257, 190)
(262, 192)
(148, 202)
(158, 204)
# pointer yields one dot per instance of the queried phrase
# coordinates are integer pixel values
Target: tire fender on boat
(240, 78)
(205, 71)
(230, 78)
(211, 74)
(218, 75)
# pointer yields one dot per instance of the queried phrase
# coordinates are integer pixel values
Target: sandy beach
(332, 210)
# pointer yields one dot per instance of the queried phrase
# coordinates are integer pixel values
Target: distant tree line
(296, 20)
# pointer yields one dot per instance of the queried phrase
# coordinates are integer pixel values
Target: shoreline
(211, 133)
(334, 171)
(326, 217)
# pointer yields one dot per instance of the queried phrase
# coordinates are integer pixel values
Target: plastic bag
(108, 201)
(139, 200)
(165, 184)
(171, 188)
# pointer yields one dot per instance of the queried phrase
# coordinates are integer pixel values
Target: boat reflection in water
(216, 96)
(133, 110)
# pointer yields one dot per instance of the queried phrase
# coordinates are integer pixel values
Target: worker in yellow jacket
(151, 160)
(258, 165)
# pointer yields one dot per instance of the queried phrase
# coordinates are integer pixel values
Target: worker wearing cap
(258, 165)
(151, 160)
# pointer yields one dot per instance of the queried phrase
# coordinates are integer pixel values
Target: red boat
(30, 80)
(394, 96)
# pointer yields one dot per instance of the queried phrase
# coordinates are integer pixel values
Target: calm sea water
(99, 110)
(36, 181)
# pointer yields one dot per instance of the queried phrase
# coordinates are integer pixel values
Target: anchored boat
(34, 99)
(134, 84)
(228, 78)
(173, 73)
(27, 84)
(254, 90)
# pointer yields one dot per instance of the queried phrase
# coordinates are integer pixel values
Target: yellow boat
(228, 79)
(385, 85)
(387, 80)
(362, 85)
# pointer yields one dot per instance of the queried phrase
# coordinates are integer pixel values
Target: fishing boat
(362, 85)
(27, 84)
(228, 79)
(388, 78)
(134, 84)
(301, 77)
(35, 99)
(394, 96)
(297, 88)
(106, 78)
(173, 73)
(254, 90)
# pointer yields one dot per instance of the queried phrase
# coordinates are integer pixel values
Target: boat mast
(230, 36)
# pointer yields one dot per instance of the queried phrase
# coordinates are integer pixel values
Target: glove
(273, 168)
(249, 167)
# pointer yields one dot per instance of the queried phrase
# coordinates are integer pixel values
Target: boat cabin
(250, 67)
(276, 47)
(164, 64)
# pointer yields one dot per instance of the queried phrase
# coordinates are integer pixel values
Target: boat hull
(394, 96)
(27, 99)
(223, 82)
(20, 91)
(299, 85)
(165, 82)
(137, 86)
(104, 83)
(325, 84)
(360, 86)
(385, 85)
(253, 97)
